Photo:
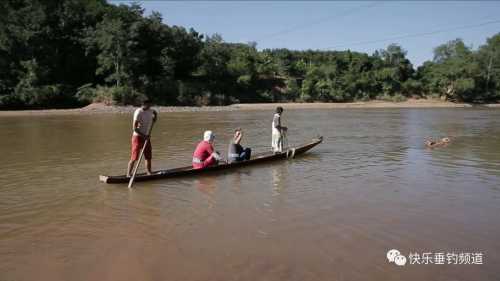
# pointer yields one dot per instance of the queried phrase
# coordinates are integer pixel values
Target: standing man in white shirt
(144, 117)
(277, 131)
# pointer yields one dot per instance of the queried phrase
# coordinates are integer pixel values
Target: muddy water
(329, 215)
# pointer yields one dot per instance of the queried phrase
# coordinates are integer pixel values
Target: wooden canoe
(189, 171)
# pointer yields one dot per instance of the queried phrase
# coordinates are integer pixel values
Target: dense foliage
(64, 53)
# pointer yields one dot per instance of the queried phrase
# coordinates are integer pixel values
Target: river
(331, 214)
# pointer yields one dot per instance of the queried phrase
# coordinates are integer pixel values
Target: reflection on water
(207, 185)
(278, 180)
(331, 214)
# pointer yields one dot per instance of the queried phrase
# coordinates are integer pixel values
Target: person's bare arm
(155, 116)
(279, 127)
(136, 129)
(135, 125)
(238, 138)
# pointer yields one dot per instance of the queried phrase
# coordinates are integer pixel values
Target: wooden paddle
(131, 182)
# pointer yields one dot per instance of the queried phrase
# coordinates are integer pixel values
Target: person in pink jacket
(204, 154)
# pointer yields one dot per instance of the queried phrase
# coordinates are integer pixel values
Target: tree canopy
(68, 53)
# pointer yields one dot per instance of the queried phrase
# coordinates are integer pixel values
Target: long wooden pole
(131, 182)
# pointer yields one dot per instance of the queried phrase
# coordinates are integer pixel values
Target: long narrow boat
(189, 171)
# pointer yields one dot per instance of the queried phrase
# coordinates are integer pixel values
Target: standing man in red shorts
(144, 117)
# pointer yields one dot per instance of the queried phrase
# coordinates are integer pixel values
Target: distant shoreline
(105, 109)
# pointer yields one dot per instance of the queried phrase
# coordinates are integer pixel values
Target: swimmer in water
(436, 143)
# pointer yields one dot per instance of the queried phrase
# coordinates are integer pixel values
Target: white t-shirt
(145, 119)
(276, 122)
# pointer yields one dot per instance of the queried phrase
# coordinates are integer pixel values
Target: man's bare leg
(130, 167)
(148, 167)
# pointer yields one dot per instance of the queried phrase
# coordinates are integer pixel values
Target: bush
(244, 80)
(338, 95)
(363, 96)
(398, 98)
(52, 96)
(292, 89)
(265, 95)
(464, 90)
(412, 87)
(167, 92)
(202, 100)
(188, 93)
(86, 93)
(122, 95)
(11, 102)
(394, 98)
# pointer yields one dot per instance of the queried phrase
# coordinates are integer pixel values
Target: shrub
(292, 89)
(10, 102)
(363, 96)
(122, 95)
(394, 98)
(244, 80)
(53, 96)
(398, 98)
(86, 93)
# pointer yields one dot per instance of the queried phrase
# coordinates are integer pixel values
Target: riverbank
(102, 108)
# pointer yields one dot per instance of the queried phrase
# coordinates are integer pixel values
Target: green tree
(450, 50)
(453, 74)
(488, 58)
(65, 53)
(215, 57)
(115, 37)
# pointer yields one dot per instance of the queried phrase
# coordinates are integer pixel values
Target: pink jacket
(202, 156)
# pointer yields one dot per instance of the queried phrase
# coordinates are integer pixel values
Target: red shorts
(137, 144)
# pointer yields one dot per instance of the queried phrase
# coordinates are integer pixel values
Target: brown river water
(331, 214)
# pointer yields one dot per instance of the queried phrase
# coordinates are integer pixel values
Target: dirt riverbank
(103, 109)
